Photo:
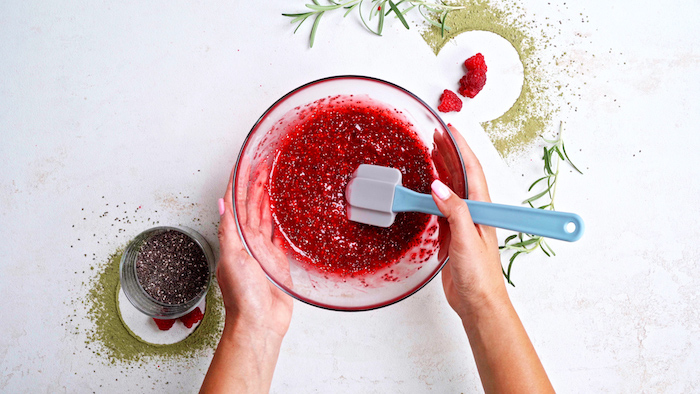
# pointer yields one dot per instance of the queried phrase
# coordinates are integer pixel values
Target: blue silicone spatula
(375, 195)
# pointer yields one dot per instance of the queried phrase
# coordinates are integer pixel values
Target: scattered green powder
(110, 337)
(532, 112)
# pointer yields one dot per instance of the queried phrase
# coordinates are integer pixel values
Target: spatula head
(370, 195)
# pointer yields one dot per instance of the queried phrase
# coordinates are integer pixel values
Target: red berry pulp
(313, 165)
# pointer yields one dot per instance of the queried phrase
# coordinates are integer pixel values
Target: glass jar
(135, 292)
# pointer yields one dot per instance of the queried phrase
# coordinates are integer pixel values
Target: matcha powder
(111, 339)
(533, 110)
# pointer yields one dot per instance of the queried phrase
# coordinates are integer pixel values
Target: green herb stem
(522, 243)
(381, 8)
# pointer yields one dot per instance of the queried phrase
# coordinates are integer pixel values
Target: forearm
(506, 360)
(244, 361)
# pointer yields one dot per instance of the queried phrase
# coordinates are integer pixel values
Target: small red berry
(449, 102)
(475, 62)
(472, 83)
(164, 324)
(192, 318)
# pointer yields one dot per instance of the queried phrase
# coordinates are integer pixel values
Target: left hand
(251, 300)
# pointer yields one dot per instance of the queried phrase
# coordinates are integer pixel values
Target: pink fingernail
(221, 206)
(441, 190)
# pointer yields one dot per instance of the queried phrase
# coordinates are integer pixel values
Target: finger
(266, 217)
(445, 238)
(456, 211)
(228, 195)
(242, 180)
(476, 180)
(254, 204)
(229, 239)
(228, 232)
(447, 160)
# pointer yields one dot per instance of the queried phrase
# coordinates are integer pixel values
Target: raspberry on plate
(449, 102)
(475, 62)
(192, 318)
(164, 324)
(472, 83)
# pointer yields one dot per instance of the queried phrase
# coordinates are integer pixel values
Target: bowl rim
(235, 178)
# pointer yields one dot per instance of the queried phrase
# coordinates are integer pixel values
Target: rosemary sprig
(377, 9)
(527, 243)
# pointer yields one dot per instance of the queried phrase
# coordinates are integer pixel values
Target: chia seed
(172, 268)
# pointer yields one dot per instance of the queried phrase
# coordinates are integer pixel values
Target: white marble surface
(145, 104)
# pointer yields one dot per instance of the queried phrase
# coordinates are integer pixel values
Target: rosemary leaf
(569, 160)
(538, 195)
(301, 22)
(297, 15)
(350, 8)
(427, 18)
(300, 18)
(404, 12)
(317, 7)
(398, 14)
(556, 148)
(525, 243)
(363, 19)
(547, 162)
(380, 25)
(442, 23)
(548, 247)
(313, 30)
(510, 266)
(537, 181)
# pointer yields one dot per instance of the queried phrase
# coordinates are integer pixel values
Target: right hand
(473, 273)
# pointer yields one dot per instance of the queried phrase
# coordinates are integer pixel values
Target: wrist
(244, 361)
(486, 304)
(245, 335)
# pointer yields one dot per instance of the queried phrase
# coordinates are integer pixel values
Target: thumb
(455, 210)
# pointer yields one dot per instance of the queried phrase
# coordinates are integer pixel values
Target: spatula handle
(551, 224)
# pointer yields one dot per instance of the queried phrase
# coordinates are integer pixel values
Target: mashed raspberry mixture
(312, 168)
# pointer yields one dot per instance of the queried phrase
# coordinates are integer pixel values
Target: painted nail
(221, 206)
(441, 190)
(449, 125)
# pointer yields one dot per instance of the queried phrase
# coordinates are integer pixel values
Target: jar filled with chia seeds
(166, 271)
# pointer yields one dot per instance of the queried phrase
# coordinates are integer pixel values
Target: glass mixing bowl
(264, 241)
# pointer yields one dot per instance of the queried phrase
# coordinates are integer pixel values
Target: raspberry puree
(312, 167)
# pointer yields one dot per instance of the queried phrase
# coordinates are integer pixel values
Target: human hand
(475, 289)
(257, 313)
(472, 276)
(251, 300)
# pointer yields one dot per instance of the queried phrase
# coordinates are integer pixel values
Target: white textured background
(146, 104)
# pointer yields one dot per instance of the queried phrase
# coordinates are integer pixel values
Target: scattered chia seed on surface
(172, 268)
